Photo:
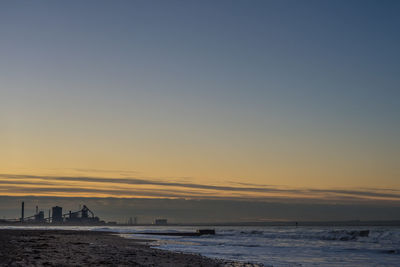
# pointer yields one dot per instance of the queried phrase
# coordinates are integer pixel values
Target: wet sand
(88, 248)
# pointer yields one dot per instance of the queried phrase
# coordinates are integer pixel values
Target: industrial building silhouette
(82, 216)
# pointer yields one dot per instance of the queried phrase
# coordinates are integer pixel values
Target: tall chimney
(37, 209)
(22, 211)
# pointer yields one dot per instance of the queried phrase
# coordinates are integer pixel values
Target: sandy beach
(88, 248)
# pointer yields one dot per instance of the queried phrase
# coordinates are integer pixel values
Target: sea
(273, 245)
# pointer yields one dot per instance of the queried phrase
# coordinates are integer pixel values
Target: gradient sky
(290, 97)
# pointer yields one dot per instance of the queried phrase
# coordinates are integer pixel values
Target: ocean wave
(339, 235)
(391, 251)
(346, 235)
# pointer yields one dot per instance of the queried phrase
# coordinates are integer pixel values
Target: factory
(83, 216)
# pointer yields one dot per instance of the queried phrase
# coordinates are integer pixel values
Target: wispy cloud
(140, 187)
(105, 171)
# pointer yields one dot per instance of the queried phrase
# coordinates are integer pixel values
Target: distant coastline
(270, 223)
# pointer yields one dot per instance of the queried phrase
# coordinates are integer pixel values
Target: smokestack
(37, 209)
(22, 211)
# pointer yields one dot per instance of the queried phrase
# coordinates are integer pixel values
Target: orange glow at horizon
(125, 187)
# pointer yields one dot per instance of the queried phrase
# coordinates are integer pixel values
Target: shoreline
(92, 248)
(396, 223)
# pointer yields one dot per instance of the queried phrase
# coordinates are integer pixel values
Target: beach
(91, 248)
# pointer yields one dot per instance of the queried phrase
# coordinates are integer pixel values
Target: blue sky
(288, 93)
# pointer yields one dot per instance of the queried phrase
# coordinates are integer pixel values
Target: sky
(231, 100)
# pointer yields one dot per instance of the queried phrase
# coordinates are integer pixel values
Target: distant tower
(39, 217)
(57, 214)
(22, 211)
(161, 222)
(84, 212)
(37, 210)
